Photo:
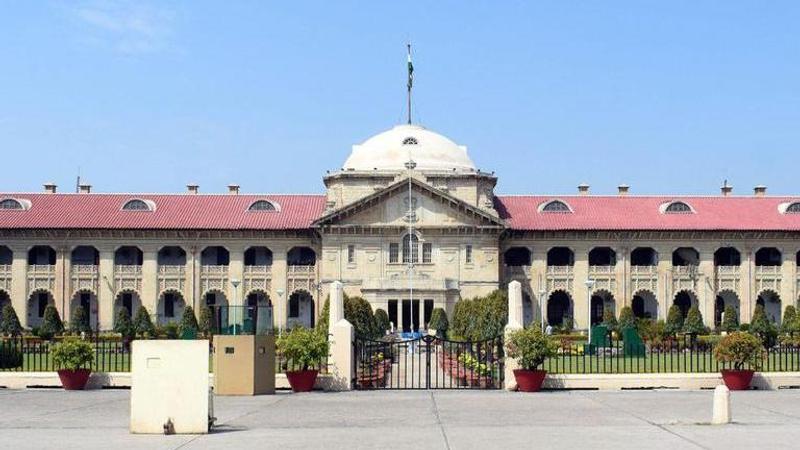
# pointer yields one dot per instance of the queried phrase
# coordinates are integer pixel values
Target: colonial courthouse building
(408, 208)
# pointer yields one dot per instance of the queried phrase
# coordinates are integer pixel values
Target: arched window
(556, 206)
(263, 205)
(410, 141)
(678, 208)
(138, 205)
(793, 208)
(411, 248)
(11, 203)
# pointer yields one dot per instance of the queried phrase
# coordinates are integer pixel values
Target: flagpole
(410, 74)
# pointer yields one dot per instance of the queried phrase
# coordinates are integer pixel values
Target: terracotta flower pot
(302, 380)
(529, 380)
(74, 380)
(737, 380)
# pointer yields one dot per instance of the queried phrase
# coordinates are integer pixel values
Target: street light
(542, 293)
(235, 283)
(589, 285)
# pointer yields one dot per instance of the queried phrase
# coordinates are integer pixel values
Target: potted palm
(739, 350)
(73, 360)
(303, 347)
(530, 347)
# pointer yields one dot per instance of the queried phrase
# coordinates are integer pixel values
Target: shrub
(674, 323)
(791, 322)
(744, 327)
(439, 322)
(357, 311)
(381, 322)
(762, 327)
(123, 324)
(10, 324)
(626, 318)
(480, 318)
(51, 324)
(188, 326)
(530, 347)
(79, 321)
(609, 320)
(72, 354)
(694, 322)
(740, 349)
(143, 325)
(169, 331)
(304, 347)
(10, 356)
(730, 319)
(206, 323)
(567, 324)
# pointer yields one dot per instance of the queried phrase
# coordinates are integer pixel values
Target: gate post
(514, 323)
(340, 339)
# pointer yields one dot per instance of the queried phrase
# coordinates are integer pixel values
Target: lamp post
(542, 293)
(235, 283)
(589, 285)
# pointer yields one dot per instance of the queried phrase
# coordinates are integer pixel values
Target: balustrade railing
(171, 270)
(127, 270)
(257, 270)
(768, 270)
(601, 269)
(84, 269)
(213, 270)
(41, 269)
(644, 270)
(727, 270)
(301, 270)
(559, 270)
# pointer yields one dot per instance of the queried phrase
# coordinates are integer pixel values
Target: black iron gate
(428, 362)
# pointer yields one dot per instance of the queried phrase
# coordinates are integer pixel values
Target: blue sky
(669, 97)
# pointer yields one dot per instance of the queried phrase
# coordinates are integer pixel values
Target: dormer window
(12, 203)
(793, 208)
(139, 205)
(676, 207)
(555, 206)
(263, 205)
(410, 141)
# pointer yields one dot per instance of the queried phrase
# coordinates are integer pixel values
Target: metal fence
(684, 354)
(22, 354)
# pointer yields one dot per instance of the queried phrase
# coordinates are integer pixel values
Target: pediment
(431, 208)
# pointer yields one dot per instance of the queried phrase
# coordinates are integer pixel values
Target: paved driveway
(416, 420)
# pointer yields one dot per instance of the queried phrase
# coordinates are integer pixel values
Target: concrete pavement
(416, 419)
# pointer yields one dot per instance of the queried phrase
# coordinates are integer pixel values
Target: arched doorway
(601, 300)
(87, 300)
(644, 305)
(129, 300)
(301, 309)
(170, 307)
(724, 299)
(771, 302)
(218, 302)
(258, 314)
(37, 303)
(684, 300)
(559, 305)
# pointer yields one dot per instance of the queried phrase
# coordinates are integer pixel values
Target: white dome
(391, 150)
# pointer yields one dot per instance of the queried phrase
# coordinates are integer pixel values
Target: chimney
(760, 190)
(583, 189)
(85, 188)
(233, 189)
(726, 189)
(193, 188)
(50, 188)
(623, 189)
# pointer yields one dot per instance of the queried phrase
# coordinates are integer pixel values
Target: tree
(357, 311)
(730, 319)
(480, 318)
(439, 322)
(694, 322)
(10, 324)
(674, 323)
(51, 324)
(609, 320)
(123, 324)
(762, 327)
(206, 323)
(381, 321)
(79, 321)
(142, 324)
(188, 324)
(626, 318)
(790, 320)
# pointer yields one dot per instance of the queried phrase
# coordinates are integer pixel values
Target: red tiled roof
(173, 211)
(643, 213)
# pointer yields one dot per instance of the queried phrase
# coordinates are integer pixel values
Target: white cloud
(128, 27)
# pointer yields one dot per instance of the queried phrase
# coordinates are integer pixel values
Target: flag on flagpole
(410, 69)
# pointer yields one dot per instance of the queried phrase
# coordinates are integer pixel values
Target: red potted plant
(303, 347)
(530, 347)
(73, 360)
(739, 350)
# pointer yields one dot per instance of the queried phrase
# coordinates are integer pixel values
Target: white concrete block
(169, 382)
(722, 405)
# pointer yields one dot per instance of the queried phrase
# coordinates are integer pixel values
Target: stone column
(106, 294)
(149, 281)
(236, 271)
(62, 282)
(340, 339)
(705, 289)
(664, 281)
(747, 300)
(580, 293)
(278, 284)
(514, 323)
(19, 284)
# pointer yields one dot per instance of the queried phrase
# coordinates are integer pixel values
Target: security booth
(244, 364)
